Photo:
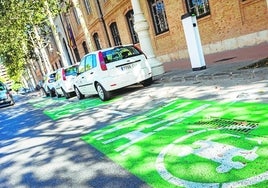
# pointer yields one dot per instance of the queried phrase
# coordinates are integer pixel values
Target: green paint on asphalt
(63, 108)
(69, 109)
(190, 143)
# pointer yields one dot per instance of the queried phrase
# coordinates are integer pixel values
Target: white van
(103, 71)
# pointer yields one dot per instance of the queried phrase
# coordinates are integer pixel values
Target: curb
(183, 76)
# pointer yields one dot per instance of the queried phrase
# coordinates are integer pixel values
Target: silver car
(6, 97)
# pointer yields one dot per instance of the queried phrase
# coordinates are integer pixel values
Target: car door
(86, 75)
(79, 81)
(58, 80)
(90, 65)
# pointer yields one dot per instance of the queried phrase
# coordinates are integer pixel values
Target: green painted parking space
(60, 108)
(75, 108)
(191, 143)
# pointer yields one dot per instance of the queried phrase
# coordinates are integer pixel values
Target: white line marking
(137, 135)
(143, 118)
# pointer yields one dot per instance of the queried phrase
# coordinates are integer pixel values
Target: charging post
(193, 41)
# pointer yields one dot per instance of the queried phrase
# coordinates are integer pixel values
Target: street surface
(39, 152)
(144, 137)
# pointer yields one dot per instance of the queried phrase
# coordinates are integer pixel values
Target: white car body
(64, 81)
(48, 84)
(103, 71)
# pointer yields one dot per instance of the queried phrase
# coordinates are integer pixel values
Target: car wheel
(52, 92)
(57, 94)
(44, 93)
(147, 82)
(78, 93)
(103, 94)
(66, 95)
(12, 101)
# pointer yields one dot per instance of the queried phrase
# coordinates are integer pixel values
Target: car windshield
(120, 53)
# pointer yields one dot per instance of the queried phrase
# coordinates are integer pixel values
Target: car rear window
(120, 53)
(51, 76)
(71, 71)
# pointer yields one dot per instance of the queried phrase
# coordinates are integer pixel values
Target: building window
(130, 21)
(76, 16)
(97, 41)
(60, 63)
(115, 34)
(84, 44)
(76, 53)
(71, 38)
(198, 7)
(87, 5)
(66, 49)
(158, 13)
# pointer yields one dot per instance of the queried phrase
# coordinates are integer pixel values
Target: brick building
(223, 25)
(4, 76)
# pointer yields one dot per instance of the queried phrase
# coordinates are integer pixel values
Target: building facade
(4, 76)
(223, 25)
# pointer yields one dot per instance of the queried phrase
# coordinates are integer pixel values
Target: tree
(18, 18)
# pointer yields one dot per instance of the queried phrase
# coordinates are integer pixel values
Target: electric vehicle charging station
(193, 41)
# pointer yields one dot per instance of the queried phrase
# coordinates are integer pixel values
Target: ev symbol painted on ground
(190, 143)
(221, 153)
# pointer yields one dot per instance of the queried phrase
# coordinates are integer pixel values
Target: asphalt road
(36, 151)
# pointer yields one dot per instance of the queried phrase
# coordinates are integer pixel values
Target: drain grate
(230, 125)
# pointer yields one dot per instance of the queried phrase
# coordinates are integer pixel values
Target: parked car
(24, 91)
(104, 71)
(6, 97)
(64, 81)
(48, 84)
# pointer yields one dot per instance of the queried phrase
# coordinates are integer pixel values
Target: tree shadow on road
(39, 152)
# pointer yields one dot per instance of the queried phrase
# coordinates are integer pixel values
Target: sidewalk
(221, 65)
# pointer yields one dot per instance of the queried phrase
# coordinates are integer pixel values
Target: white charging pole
(193, 41)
